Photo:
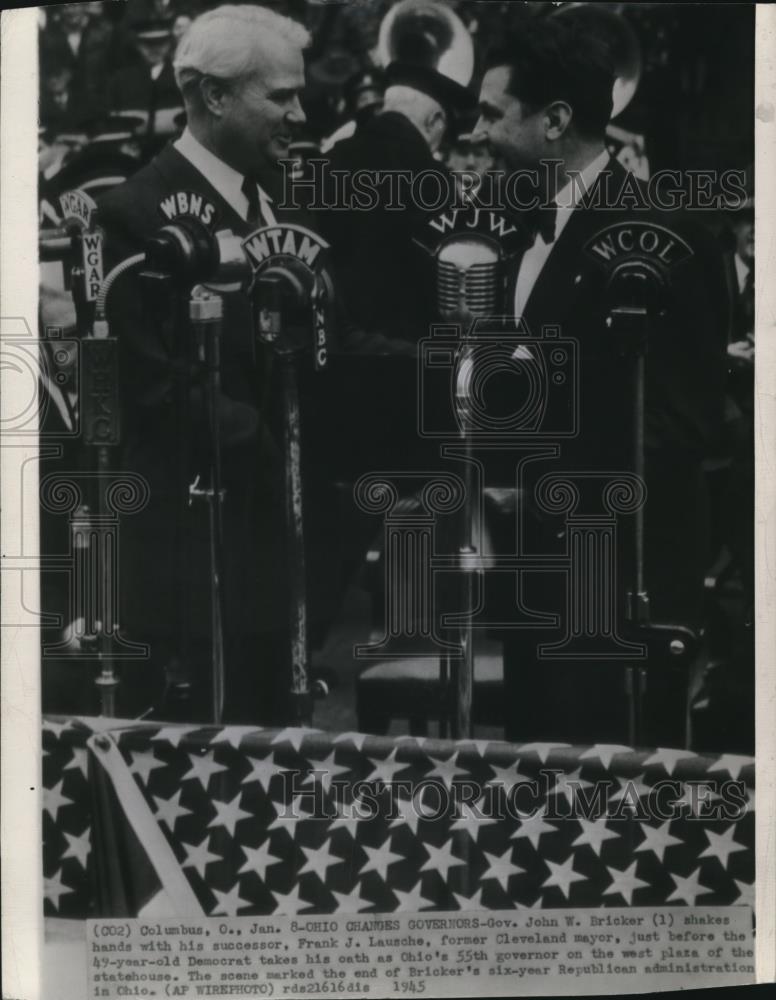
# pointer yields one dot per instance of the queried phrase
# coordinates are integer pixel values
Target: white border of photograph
(21, 795)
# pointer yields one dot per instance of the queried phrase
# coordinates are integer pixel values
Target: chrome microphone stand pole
(468, 279)
(463, 670)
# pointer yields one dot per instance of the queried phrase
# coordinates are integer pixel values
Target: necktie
(251, 192)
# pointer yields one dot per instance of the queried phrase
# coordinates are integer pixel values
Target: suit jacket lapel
(273, 186)
(549, 297)
(180, 173)
(566, 265)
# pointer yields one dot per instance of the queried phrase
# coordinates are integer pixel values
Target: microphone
(184, 249)
(78, 213)
(637, 259)
(289, 266)
(294, 281)
(56, 244)
(191, 254)
(470, 247)
(469, 278)
(78, 217)
(293, 293)
(637, 283)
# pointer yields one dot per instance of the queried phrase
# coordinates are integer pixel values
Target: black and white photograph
(385, 596)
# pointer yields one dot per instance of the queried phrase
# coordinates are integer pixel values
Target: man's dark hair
(554, 59)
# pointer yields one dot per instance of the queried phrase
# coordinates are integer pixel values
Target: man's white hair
(228, 42)
(413, 104)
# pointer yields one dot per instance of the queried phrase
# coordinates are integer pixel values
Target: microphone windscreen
(468, 278)
(467, 252)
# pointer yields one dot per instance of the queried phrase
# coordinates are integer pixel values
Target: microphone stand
(300, 684)
(206, 315)
(460, 688)
(166, 307)
(468, 287)
(456, 674)
(270, 321)
(175, 258)
(462, 670)
(99, 402)
(630, 320)
(107, 681)
(630, 326)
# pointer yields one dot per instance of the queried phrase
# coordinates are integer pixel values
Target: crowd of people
(173, 98)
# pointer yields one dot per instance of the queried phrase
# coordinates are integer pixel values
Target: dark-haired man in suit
(545, 102)
(241, 71)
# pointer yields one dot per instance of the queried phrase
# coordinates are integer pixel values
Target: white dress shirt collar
(225, 179)
(570, 196)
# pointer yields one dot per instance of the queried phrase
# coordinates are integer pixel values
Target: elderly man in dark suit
(385, 280)
(545, 102)
(241, 71)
